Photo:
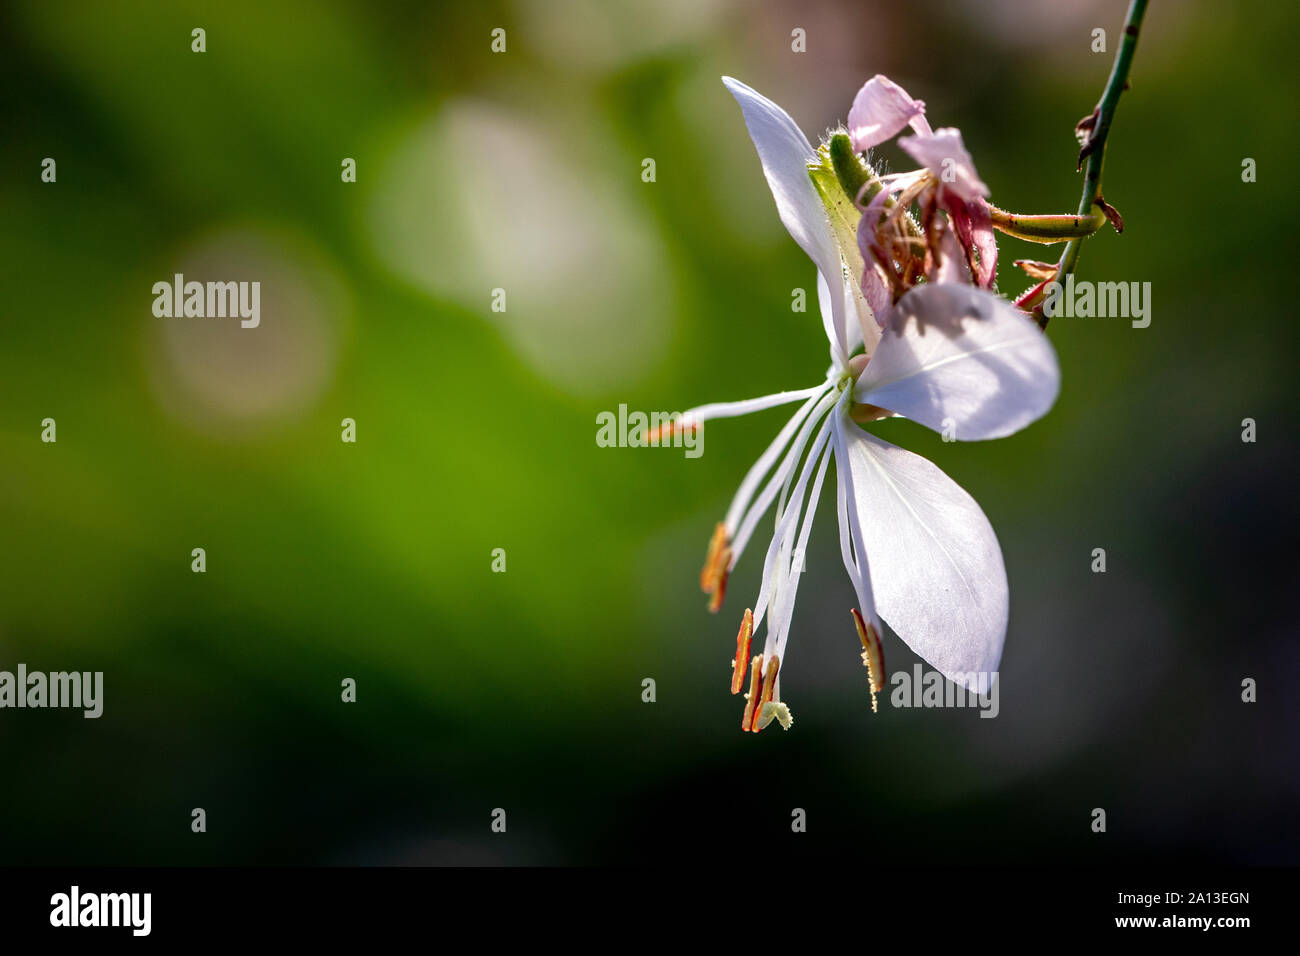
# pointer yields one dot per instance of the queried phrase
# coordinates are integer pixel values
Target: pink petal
(954, 265)
(973, 224)
(943, 153)
(881, 110)
(876, 291)
(986, 244)
(875, 288)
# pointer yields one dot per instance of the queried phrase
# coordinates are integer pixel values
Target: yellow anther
(873, 656)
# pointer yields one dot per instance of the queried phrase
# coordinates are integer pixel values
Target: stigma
(761, 705)
(777, 710)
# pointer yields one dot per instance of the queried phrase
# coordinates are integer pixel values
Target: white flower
(919, 551)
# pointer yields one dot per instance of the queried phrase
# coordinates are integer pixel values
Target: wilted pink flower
(880, 110)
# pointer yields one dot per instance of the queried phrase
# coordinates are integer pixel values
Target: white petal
(957, 352)
(785, 154)
(855, 559)
(841, 325)
(848, 553)
(861, 324)
(936, 567)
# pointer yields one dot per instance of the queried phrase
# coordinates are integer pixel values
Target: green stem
(1095, 148)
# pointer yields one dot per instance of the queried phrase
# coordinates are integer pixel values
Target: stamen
(769, 690)
(717, 566)
(873, 656)
(778, 479)
(708, 576)
(743, 640)
(751, 699)
(653, 436)
(720, 580)
(912, 193)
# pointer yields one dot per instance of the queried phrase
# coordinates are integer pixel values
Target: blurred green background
(475, 431)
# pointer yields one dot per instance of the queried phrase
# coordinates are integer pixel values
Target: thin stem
(1094, 150)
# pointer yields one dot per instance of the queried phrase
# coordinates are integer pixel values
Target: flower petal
(936, 566)
(875, 285)
(973, 222)
(844, 335)
(785, 154)
(875, 289)
(881, 110)
(954, 266)
(960, 353)
(944, 154)
(851, 547)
